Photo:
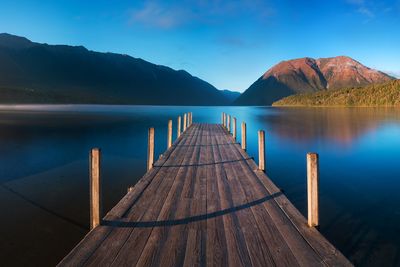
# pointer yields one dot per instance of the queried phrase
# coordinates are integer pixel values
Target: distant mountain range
(307, 75)
(41, 73)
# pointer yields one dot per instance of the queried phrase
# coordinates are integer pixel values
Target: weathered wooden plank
(144, 208)
(257, 247)
(79, 255)
(174, 249)
(255, 192)
(204, 203)
(328, 253)
(196, 229)
(216, 247)
(138, 238)
(150, 255)
(235, 242)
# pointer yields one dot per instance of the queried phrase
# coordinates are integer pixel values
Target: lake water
(44, 190)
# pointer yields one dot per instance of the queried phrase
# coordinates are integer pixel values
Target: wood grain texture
(169, 136)
(95, 188)
(204, 203)
(261, 150)
(312, 189)
(150, 148)
(179, 126)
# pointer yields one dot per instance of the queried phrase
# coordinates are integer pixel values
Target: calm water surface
(44, 171)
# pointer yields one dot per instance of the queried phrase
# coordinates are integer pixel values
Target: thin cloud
(362, 7)
(159, 14)
(155, 14)
(365, 11)
(395, 74)
(355, 2)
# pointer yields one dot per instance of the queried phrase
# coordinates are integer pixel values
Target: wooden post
(229, 123)
(169, 142)
(95, 188)
(150, 149)
(234, 128)
(261, 150)
(312, 188)
(184, 121)
(190, 119)
(244, 136)
(222, 119)
(179, 126)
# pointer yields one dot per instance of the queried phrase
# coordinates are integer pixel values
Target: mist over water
(44, 192)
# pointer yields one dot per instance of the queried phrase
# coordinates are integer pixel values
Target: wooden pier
(205, 202)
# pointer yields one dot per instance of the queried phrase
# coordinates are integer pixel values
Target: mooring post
(312, 188)
(184, 121)
(169, 142)
(234, 128)
(150, 149)
(179, 127)
(226, 121)
(95, 188)
(261, 150)
(243, 135)
(222, 118)
(229, 123)
(190, 118)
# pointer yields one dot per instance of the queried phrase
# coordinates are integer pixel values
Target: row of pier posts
(187, 121)
(94, 166)
(229, 123)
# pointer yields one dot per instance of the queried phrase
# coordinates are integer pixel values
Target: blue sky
(227, 43)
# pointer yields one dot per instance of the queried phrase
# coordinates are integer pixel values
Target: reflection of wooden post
(95, 188)
(261, 150)
(179, 126)
(234, 128)
(184, 121)
(243, 135)
(229, 123)
(169, 142)
(150, 149)
(312, 188)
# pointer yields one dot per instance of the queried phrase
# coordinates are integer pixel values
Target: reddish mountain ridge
(309, 75)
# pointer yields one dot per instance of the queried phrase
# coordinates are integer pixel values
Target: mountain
(230, 95)
(41, 73)
(384, 94)
(306, 75)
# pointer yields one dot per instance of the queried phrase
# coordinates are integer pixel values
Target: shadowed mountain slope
(41, 73)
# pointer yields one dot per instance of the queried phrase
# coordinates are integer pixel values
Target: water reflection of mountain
(341, 125)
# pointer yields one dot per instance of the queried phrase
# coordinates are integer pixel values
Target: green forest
(386, 94)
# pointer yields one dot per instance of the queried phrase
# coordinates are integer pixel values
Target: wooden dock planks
(204, 203)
